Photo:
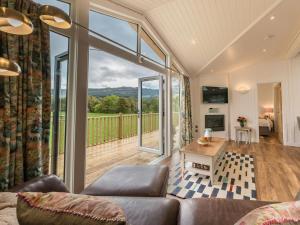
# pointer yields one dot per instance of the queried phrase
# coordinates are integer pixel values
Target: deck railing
(107, 128)
(103, 129)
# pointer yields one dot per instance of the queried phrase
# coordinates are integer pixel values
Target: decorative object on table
(286, 213)
(242, 120)
(231, 182)
(202, 141)
(208, 134)
(53, 208)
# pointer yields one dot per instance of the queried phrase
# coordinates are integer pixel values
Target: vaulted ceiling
(199, 31)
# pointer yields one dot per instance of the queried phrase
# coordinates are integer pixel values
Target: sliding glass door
(150, 114)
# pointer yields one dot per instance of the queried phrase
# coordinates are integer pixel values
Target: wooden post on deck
(120, 126)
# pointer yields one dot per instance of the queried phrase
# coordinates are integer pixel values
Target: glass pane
(120, 31)
(150, 114)
(151, 50)
(175, 111)
(59, 4)
(59, 66)
(112, 125)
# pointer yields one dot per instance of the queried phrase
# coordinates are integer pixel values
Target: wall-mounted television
(215, 95)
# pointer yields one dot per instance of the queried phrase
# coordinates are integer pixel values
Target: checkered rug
(234, 179)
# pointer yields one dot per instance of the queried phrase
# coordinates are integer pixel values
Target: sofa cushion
(287, 213)
(8, 204)
(35, 208)
(149, 211)
(48, 183)
(209, 211)
(137, 181)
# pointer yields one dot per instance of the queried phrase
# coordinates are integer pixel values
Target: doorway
(125, 114)
(270, 113)
(150, 114)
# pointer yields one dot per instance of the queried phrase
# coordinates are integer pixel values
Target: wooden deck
(103, 157)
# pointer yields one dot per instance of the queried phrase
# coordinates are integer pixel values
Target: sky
(105, 70)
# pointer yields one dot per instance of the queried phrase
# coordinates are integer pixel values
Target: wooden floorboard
(277, 169)
(103, 157)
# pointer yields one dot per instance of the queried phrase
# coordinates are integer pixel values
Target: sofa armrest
(48, 183)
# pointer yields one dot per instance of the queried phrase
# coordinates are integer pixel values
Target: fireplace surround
(215, 122)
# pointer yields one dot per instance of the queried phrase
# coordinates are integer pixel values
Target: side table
(240, 131)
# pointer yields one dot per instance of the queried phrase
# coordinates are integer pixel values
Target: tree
(92, 102)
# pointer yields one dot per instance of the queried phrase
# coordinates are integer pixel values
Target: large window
(151, 50)
(120, 31)
(59, 48)
(113, 117)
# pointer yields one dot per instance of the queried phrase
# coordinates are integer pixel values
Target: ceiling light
(14, 22)
(55, 17)
(264, 50)
(194, 42)
(272, 18)
(9, 68)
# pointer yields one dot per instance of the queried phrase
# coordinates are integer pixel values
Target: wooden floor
(103, 157)
(277, 169)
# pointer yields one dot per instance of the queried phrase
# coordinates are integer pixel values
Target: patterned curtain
(25, 102)
(186, 112)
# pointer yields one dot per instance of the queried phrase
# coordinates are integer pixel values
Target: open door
(150, 114)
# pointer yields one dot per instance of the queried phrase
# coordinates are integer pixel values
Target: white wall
(285, 71)
(200, 109)
(265, 96)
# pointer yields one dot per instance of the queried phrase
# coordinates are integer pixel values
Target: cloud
(106, 70)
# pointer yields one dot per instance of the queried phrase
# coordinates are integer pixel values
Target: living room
(149, 112)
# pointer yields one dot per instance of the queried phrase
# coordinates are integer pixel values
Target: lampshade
(9, 68)
(55, 17)
(14, 22)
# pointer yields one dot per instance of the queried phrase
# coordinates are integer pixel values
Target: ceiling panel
(265, 41)
(198, 30)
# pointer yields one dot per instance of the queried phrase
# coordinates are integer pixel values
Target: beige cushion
(65, 208)
(8, 203)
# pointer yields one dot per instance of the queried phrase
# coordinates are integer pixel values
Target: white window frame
(80, 42)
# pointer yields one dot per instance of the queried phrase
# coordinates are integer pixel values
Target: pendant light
(14, 22)
(55, 17)
(9, 68)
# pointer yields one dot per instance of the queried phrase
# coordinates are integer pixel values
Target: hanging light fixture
(55, 17)
(9, 68)
(14, 22)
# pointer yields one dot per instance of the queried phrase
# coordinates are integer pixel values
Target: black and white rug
(234, 179)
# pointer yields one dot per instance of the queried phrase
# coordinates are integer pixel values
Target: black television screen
(215, 95)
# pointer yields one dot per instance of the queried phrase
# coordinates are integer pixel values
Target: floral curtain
(25, 102)
(186, 112)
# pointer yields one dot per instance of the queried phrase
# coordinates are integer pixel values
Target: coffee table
(205, 155)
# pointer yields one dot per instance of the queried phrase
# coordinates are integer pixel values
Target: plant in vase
(242, 120)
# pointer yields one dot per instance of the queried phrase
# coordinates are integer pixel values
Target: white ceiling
(197, 31)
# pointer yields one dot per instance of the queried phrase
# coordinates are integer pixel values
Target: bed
(265, 126)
